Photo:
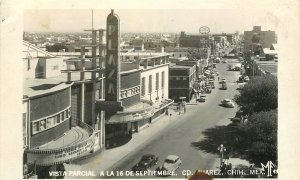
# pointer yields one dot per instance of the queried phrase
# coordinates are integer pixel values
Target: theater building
(60, 123)
(143, 98)
(136, 90)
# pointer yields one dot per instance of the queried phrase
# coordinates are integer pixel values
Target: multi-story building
(256, 39)
(194, 41)
(181, 82)
(60, 121)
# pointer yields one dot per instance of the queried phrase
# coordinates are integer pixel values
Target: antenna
(92, 19)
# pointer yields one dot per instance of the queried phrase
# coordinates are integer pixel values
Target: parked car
(241, 79)
(246, 79)
(171, 164)
(224, 61)
(208, 89)
(202, 98)
(212, 84)
(146, 162)
(227, 103)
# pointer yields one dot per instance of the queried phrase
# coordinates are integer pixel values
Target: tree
(260, 137)
(259, 94)
(255, 141)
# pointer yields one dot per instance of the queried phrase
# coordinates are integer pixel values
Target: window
(184, 78)
(157, 81)
(42, 125)
(150, 84)
(177, 78)
(58, 118)
(143, 86)
(50, 122)
(162, 79)
(66, 114)
(62, 116)
(35, 127)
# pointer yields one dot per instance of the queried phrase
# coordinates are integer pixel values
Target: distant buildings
(194, 41)
(256, 39)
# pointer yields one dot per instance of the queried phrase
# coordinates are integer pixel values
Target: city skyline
(148, 21)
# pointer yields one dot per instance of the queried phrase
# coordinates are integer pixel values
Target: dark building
(195, 41)
(181, 81)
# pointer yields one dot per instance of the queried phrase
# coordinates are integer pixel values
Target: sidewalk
(108, 158)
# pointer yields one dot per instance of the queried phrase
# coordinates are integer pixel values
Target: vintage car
(202, 98)
(227, 103)
(171, 164)
(224, 85)
(146, 162)
(246, 79)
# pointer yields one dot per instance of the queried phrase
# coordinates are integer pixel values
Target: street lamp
(222, 149)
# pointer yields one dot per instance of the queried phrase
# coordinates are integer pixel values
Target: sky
(149, 20)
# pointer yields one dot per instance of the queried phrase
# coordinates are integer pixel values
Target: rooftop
(180, 67)
(36, 87)
(71, 137)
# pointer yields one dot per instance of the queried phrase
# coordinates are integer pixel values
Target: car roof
(172, 157)
(227, 100)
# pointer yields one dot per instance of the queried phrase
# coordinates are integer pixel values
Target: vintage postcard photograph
(112, 93)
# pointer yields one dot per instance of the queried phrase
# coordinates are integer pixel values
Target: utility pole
(222, 149)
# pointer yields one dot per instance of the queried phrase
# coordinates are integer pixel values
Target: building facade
(181, 81)
(257, 39)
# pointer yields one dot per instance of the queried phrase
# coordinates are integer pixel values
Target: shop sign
(63, 155)
(112, 69)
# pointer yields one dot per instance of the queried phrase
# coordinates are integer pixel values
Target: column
(82, 102)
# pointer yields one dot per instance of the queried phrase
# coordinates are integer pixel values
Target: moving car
(224, 61)
(223, 80)
(224, 85)
(170, 165)
(202, 98)
(227, 103)
(147, 161)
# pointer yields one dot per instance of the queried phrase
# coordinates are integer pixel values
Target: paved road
(177, 138)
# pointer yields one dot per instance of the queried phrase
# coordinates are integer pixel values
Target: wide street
(177, 138)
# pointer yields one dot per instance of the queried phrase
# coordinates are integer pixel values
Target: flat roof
(74, 136)
(181, 67)
(269, 68)
(36, 87)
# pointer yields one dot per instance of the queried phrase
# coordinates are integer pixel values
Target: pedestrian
(218, 78)
(184, 109)
(130, 133)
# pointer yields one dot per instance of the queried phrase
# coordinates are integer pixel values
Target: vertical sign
(112, 69)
